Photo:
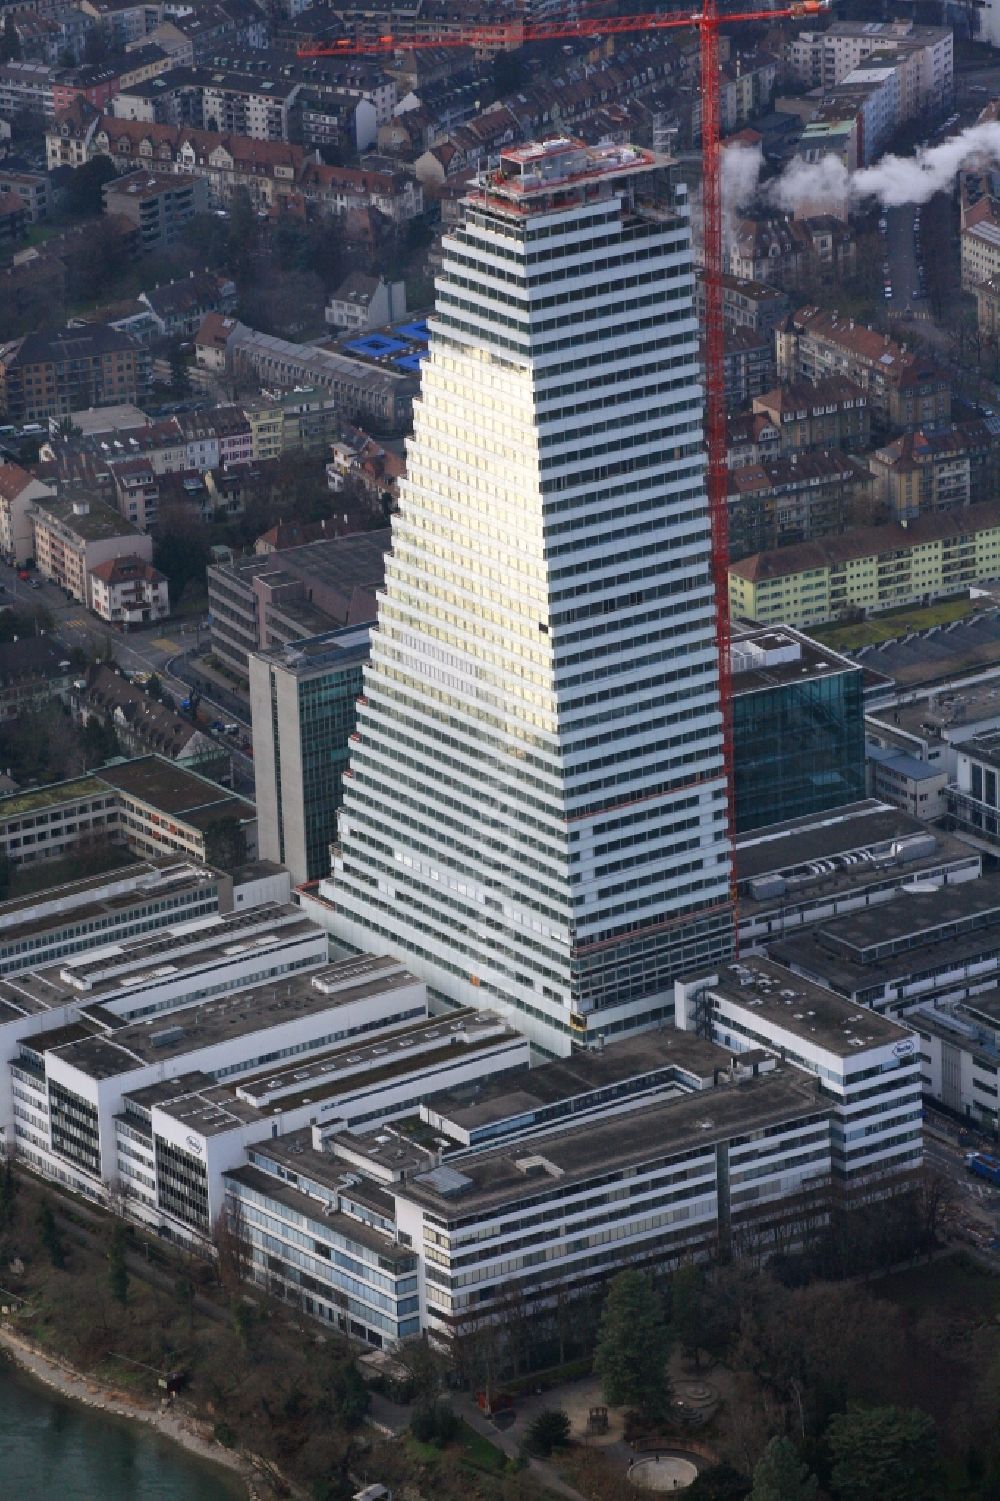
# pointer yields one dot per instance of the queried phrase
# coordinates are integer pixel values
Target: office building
(811, 869)
(926, 944)
(798, 728)
(534, 816)
(274, 598)
(79, 1078)
(876, 1133)
(303, 706)
(960, 1048)
(148, 804)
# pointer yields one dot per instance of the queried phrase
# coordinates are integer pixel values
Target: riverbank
(70, 1383)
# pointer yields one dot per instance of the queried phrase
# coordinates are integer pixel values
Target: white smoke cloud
(741, 169)
(802, 182)
(895, 179)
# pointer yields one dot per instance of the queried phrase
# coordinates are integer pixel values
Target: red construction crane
(707, 21)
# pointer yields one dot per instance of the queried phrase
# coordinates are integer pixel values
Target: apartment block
(158, 205)
(19, 492)
(868, 569)
(129, 591)
(73, 535)
(46, 375)
(904, 390)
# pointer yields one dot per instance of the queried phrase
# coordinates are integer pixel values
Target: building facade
(303, 706)
(798, 728)
(523, 848)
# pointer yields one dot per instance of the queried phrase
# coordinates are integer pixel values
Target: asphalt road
(975, 1203)
(899, 246)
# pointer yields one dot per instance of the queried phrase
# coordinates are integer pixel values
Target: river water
(54, 1449)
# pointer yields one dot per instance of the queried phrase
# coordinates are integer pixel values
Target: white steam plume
(741, 169)
(893, 180)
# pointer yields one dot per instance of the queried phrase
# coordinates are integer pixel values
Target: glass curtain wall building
(534, 816)
(303, 707)
(798, 728)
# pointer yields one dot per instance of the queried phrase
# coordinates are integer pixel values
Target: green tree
(687, 1300)
(82, 194)
(49, 1235)
(718, 1483)
(781, 1476)
(242, 241)
(180, 378)
(633, 1346)
(549, 1430)
(883, 1454)
(117, 1268)
(8, 1193)
(10, 42)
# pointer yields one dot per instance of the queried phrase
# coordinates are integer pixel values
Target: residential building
(52, 374)
(829, 413)
(268, 170)
(496, 851)
(148, 804)
(73, 535)
(303, 706)
(264, 601)
(795, 497)
(876, 1133)
(747, 304)
(362, 302)
(798, 728)
(34, 672)
(792, 252)
(179, 307)
(823, 59)
(943, 469)
(26, 86)
(869, 569)
(144, 725)
(128, 591)
(30, 189)
(749, 365)
(904, 391)
(159, 205)
(19, 491)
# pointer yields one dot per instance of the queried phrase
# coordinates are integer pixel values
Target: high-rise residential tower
(534, 817)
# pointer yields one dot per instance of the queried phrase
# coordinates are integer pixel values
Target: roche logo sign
(193, 1143)
(904, 1048)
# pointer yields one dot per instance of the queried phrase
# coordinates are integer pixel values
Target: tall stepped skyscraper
(534, 817)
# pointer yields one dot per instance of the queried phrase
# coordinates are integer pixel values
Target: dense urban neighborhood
(500, 747)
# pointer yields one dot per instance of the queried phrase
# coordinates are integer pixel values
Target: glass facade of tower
(798, 748)
(534, 817)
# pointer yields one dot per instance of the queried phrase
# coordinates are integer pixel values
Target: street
(901, 258)
(975, 1209)
(162, 648)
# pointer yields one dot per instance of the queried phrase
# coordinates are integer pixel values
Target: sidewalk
(543, 1471)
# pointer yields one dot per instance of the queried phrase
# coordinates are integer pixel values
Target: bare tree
(232, 1245)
